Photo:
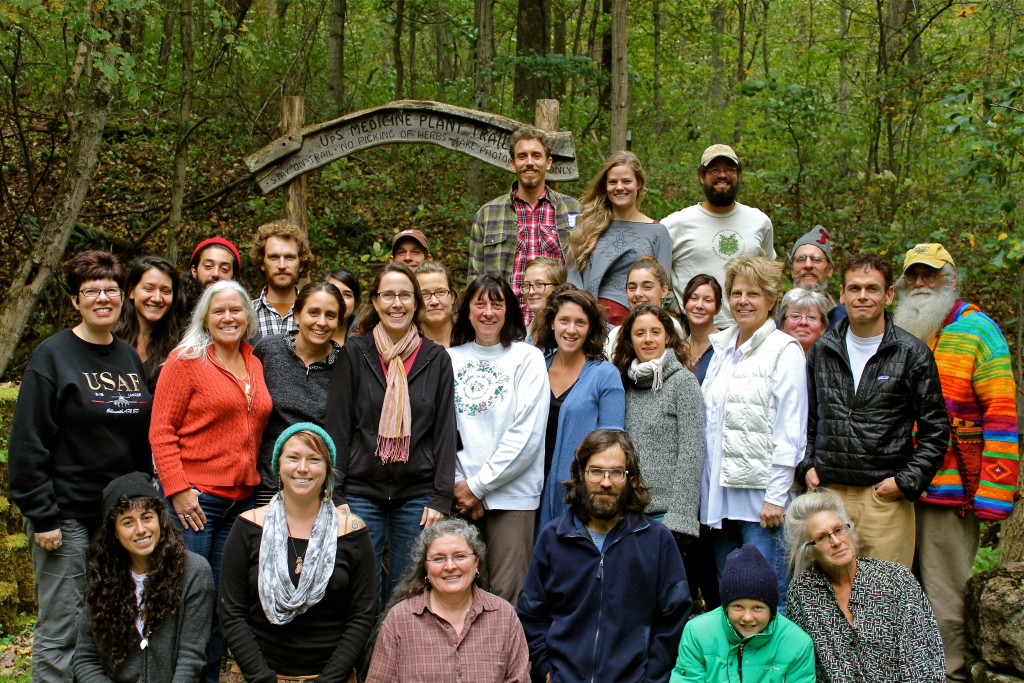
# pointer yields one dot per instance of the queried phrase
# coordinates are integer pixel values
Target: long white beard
(923, 315)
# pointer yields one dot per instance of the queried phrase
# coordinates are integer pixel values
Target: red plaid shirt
(537, 237)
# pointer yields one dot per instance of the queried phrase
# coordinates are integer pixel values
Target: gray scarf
(653, 368)
(282, 601)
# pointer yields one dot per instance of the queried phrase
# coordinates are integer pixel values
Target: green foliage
(987, 558)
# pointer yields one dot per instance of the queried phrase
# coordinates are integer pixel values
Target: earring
(426, 579)
(325, 496)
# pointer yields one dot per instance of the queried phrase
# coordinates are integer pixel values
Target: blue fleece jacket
(611, 615)
(597, 401)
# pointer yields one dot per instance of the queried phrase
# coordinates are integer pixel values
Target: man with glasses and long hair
(606, 596)
(707, 234)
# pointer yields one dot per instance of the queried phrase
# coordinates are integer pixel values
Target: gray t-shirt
(617, 249)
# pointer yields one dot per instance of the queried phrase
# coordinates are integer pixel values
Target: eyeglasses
(94, 293)
(457, 558)
(722, 170)
(538, 287)
(439, 294)
(816, 259)
(795, 317)
(929, 275)
(389, 297)
(596, 475)
(840, 534)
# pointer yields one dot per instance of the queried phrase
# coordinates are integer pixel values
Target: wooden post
(293, 117)
(546, 116)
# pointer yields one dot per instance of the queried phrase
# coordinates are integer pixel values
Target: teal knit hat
(306, 427)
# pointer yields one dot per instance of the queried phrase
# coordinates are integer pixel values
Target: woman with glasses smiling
(81, 421)
(390, 409)
(869, 619)
(804, 315)
(439, 300)
(439, 594)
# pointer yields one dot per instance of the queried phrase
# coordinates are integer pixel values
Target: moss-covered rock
(16, 594)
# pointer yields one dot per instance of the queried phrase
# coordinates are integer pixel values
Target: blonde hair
(597, 209)
(555, 270)
(763, 273)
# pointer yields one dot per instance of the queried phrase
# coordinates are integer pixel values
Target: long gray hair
(196, 341)
(800, 511)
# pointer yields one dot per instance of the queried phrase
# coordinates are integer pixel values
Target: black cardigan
(354, 401)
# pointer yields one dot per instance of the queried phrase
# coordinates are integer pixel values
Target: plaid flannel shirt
(494, 238)
(268, 320)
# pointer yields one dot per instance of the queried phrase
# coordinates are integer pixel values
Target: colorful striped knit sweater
(980, 468)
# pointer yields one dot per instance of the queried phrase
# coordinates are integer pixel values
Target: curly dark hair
(110, 589)
(635, 495)
(593, 345)
(624, 352)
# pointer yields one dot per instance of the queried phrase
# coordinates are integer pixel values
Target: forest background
(890, 122)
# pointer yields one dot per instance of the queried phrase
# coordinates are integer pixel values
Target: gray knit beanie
(817, 236)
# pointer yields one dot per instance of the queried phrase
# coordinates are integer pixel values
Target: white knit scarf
(653, 368)
(282, 601)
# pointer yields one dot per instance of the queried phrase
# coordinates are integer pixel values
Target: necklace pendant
(298, 565)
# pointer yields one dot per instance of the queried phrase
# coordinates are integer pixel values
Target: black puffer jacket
(860, 439)
(354, 400)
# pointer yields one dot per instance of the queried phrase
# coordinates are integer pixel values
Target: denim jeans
(398, 521)
(60, 594)
(771, 542)
(209, 543)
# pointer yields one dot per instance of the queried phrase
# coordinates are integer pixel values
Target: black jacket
(860, 439)
(354, 400)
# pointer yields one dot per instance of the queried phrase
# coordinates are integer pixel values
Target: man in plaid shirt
(528, 222)
(281, 251)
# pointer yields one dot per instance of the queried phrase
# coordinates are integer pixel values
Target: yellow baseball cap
(933, 254)
(715, 151)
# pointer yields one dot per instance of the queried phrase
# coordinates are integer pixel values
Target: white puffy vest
(750, 410)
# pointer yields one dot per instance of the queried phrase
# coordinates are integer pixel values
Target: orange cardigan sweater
(203, 432)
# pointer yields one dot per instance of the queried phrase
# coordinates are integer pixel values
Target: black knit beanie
(128, 485)
(749, 576)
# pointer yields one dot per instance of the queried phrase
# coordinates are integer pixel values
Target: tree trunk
(532, 40)
(483, 18)
(188, 79)
(719, 94)
(166, 41)
(336, 56)
(620, 76)
(558, 45)
(412, 60)
(396, 51)
(34, 273)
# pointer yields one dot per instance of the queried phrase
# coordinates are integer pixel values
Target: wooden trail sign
(478, 134)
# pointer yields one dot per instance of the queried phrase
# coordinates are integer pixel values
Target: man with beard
(978, 475)
(869, 383)
(282, 252)
(528, 222)
(706, 235)
(811, 267)
(606, 597)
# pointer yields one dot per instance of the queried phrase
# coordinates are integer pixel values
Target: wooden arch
(478, 134)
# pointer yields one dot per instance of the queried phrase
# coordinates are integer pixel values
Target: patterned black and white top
(893, 638)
